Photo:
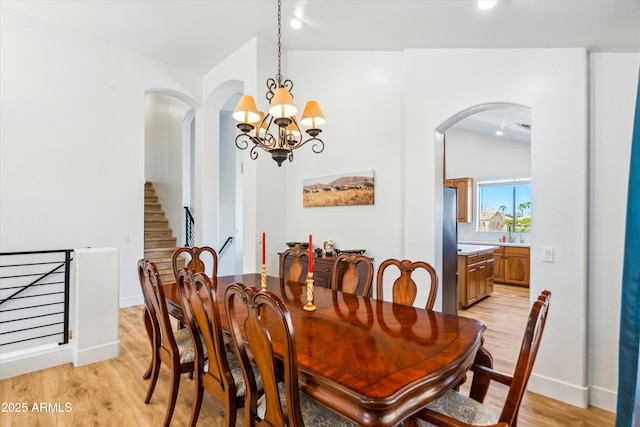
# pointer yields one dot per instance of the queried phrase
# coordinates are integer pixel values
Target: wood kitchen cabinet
(465, 197)
(475, 277)
(512, 265)
(323, 268)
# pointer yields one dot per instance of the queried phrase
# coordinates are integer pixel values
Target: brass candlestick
(263, 279)
(309, 305)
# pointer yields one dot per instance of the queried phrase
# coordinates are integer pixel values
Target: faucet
(511, 238)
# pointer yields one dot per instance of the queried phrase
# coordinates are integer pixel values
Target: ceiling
(197, 35)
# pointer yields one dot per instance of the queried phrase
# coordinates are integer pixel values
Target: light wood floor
(111, 393)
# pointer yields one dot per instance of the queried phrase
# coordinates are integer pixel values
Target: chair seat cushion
(313, 413)
(236, 372)
(462, 408)
(185, 345)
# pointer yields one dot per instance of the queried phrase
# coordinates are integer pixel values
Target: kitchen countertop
(465, 249)
(521, 245)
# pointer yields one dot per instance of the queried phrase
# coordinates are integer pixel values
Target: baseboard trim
(20, 363)
(131, 301)
(96, 354)
(603, 398)
(559, 390)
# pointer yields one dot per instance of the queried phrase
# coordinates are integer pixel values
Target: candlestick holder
(309, 305)
(263, 278)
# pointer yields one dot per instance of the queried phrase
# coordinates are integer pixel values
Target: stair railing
(34, 304)
(229, 240)
(188, 227)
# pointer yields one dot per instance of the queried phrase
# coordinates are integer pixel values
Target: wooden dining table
(374, 362)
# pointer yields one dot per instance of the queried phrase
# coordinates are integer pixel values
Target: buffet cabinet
(512, 265)
(323, 269)
(475, 277)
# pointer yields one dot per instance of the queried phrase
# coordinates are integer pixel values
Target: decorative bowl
(298, 245)
(351, 251)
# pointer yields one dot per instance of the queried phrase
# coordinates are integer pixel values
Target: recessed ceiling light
(499, 132)
(295, 23)
(487, 4)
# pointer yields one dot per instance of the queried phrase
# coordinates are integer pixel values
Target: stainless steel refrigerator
(450, 250)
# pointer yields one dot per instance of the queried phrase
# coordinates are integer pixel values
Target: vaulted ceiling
(198, 34)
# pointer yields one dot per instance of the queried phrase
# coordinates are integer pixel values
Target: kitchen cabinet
(465, 197)
(475, 277)
(512, 265)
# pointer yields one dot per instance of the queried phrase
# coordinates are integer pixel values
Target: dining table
(374, 362)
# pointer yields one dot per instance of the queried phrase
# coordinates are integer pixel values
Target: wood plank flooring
(505, 313)
(111, 393)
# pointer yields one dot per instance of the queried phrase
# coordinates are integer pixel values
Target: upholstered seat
(453, 408)
(174, 349)
(313, 413)
(282, 404)
(221, 374)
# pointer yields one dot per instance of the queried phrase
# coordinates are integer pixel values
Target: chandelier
(277, 132)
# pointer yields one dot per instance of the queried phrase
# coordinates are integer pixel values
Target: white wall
(362, 101)
(72, 140)
(613, 83)
(441, 83)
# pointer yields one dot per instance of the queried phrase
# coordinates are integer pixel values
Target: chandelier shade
(282, 104)
(246, 110)
(278, 132)
(312, 115)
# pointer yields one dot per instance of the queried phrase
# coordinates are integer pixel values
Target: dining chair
(196, 259)
(405, 290)
(282, 404)
(217, 368)
(454, 408)
(351, 279)
(295, 272)
(175, 349)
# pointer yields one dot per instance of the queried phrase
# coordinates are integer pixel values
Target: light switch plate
(547, 254)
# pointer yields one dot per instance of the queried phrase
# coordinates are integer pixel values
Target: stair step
(159, 242)
(159, 253)
(154, 216)
(157, 233)
(156, 223)
(152, 243)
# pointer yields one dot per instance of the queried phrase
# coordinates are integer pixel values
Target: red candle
(264, 240)
(310, 254)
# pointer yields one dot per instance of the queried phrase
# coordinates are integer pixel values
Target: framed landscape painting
(339, 190)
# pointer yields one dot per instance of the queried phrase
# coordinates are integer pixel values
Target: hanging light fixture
(277, 132)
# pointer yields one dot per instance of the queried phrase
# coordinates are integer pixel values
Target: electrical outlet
(547, 254)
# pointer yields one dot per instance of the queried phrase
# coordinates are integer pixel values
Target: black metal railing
(188, 228)
(34, 298)
(228, 241)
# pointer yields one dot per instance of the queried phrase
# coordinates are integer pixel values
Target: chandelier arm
(254, 153)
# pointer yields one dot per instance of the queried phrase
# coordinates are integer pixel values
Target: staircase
(159, 243)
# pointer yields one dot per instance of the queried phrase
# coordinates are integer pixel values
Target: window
(505, 206)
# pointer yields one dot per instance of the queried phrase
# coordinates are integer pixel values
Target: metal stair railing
(34, 298)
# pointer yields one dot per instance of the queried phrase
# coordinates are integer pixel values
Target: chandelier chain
(279, 76)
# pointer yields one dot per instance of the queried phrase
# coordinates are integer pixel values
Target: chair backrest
(157, 306)
(351, 279)
(202, 312)
(404, 289)
(259, 307)
(195, 259)
(526, 359)
(295, 272)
